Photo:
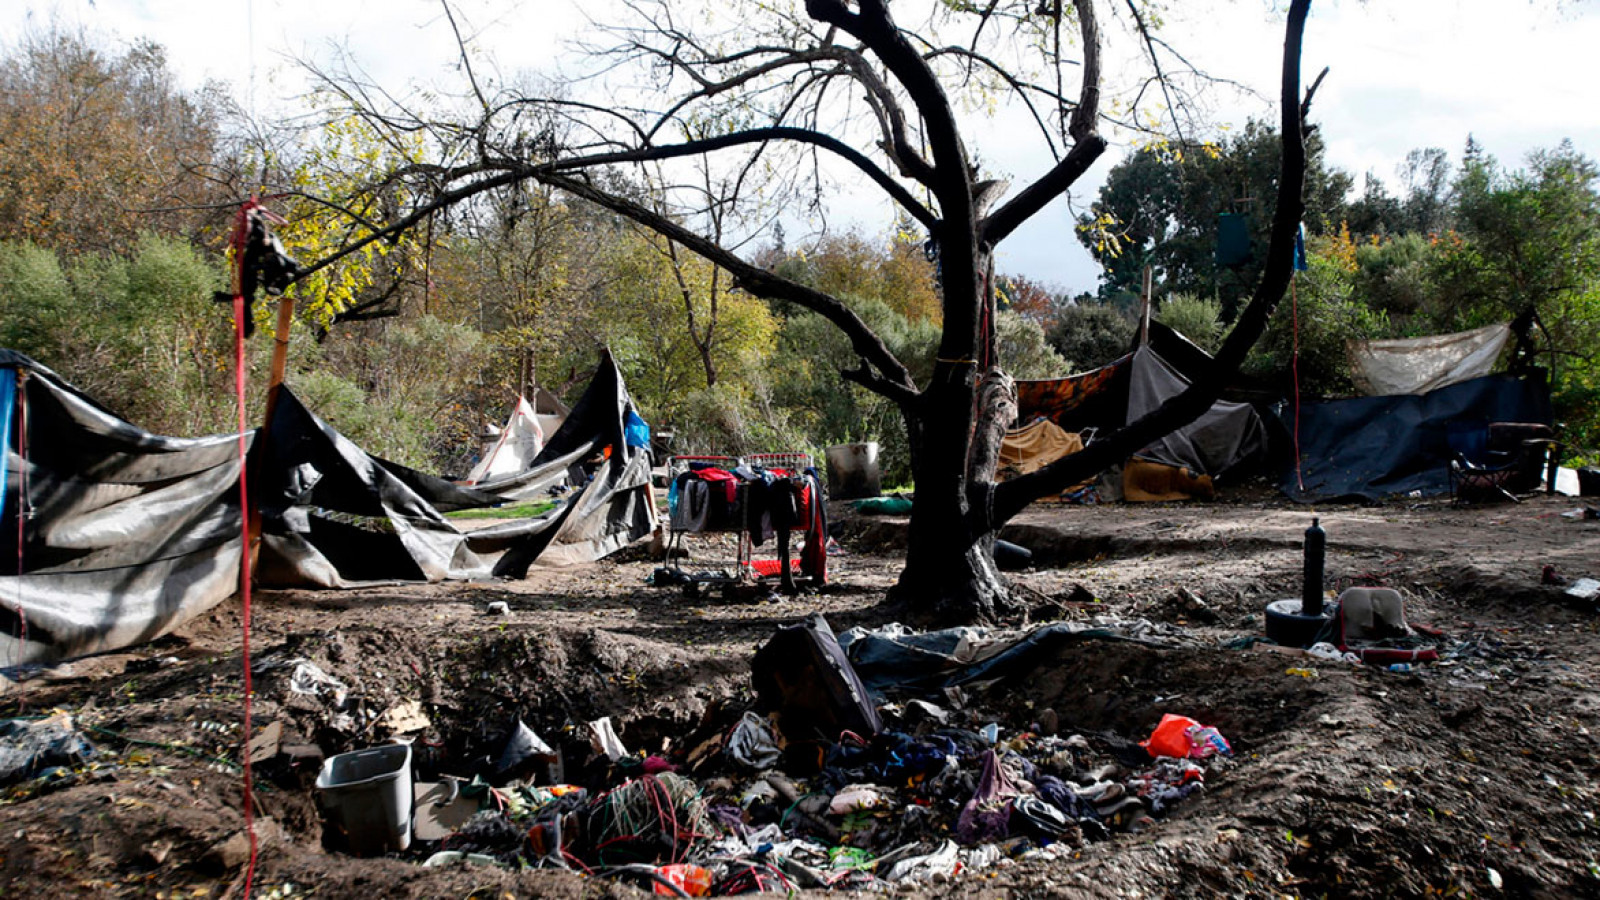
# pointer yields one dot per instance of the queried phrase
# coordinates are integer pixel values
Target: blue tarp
(8, 400)
(1375, 447)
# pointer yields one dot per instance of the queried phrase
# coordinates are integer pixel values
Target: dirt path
(1475, 776)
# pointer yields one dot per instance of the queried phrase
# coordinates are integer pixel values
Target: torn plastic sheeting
(895, 658)
(604, 740)
(523, 747)
(945, 861)
(305, 677)
(752, 743)
(28, 748)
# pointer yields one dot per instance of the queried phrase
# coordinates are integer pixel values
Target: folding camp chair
(1501, 460)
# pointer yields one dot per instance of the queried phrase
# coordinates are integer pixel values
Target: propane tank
(1316, 549)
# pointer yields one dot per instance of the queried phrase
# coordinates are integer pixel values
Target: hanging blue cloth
(635, 430)
(1300, 248)
(1233, 240)
(8, 401)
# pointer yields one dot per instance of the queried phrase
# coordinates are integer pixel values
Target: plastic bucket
(366, 796)
(853, 471)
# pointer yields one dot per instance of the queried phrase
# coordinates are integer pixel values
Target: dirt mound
(1473, 776)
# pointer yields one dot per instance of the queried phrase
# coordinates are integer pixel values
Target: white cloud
(1421, 73)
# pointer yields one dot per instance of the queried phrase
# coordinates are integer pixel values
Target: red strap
(240, 236)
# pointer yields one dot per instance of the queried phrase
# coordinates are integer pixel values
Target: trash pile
(823, 785)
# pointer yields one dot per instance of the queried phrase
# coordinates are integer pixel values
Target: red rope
(1294, 368)
(240, 235)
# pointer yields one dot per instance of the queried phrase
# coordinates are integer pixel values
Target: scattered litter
(940, 791)
(752, 743)
(499, 608)
(604, 740)
(1183, 738)
(1584, 589)
(28, 748)
(1327, 651)
(405, 718)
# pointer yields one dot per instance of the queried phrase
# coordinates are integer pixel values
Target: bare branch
(1012, 496)
(749, 277)
(1088, 148)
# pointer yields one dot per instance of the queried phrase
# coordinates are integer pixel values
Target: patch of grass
(520, 511)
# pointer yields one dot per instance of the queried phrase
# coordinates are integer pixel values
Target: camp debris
(825, 785)
(128, 534)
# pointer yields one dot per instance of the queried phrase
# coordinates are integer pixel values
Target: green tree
(1091, 334)
(99, 145)
(139, 333)
(1162, 203)
(1196, 318)
(1531, 237)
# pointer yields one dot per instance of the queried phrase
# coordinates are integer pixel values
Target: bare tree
(845, 81)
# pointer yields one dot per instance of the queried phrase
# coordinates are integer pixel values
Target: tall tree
(772, 82)
(97, 146)
(1164, 202)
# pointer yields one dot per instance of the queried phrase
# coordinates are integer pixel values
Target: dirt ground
(1476, 776)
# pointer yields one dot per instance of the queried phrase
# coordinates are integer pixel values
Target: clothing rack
(753, 496)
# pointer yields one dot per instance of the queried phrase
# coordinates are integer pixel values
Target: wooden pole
(280, 364)
(1145, 300)
(280, 354)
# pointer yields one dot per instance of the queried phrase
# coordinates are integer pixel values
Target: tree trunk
(949, 576)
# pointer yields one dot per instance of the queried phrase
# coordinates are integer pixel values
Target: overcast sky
(1516, 74)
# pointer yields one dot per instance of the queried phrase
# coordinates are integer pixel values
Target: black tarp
(1121, 392)
(127, 534)
(1368, 448)
(335, 516)
(613, 504)
(895, 659)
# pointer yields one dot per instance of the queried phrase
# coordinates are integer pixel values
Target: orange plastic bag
(1183, 738)
(692, 880)
(1171, 737)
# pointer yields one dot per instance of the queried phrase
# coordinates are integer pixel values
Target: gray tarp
(1224, 436)
(128, 534)
(335, 516)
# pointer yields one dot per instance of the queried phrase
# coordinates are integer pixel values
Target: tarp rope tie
(1294, 369)
(240, 236)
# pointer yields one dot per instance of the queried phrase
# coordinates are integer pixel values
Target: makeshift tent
(1223, 436)
(1419, 365)
(125, 534)
(1373, 447)
(334, 516)
(613, 504)
(1125, 390)
(513, 448)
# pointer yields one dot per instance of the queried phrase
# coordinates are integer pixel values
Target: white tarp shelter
(514, 448)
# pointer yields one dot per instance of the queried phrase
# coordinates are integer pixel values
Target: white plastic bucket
(366, 795)
(853, 471)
